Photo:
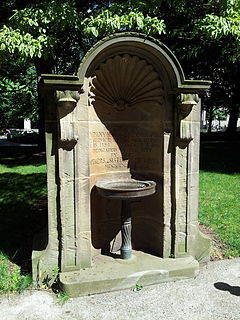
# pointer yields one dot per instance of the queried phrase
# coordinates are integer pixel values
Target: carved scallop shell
(126, 81)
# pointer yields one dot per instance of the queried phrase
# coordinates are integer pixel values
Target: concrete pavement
(214, 294)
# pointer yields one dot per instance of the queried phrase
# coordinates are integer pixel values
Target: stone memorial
(129, 115)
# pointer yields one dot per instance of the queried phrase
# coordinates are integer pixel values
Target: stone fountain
(126, 190)
(122, 159)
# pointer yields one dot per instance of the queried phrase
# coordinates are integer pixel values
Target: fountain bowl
(125, 189)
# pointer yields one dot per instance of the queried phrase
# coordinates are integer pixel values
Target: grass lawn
(219, 193)
(219, 207)
(23, 210)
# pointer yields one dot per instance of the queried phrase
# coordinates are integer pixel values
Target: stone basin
(125, 189)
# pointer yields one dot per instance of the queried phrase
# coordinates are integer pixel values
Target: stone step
(111, 274)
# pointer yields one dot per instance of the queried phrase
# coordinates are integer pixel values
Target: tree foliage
(18, 94)
(37, 30)
(54, 35)
(109, 21)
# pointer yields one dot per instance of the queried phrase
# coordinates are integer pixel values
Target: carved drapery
(185, 103)
(66, 102)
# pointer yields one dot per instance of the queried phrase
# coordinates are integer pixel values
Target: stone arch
(150, 49)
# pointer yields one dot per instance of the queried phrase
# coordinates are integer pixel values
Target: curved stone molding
(123, 82)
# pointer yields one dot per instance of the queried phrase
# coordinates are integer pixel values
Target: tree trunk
(234, 111)
(233, 119)
(41, 123)
(210, 119)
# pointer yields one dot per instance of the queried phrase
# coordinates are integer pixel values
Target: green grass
(11, 279)
(22, 214)
(62, 297)
(219, 207)
(23, 165)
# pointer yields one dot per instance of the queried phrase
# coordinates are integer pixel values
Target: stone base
(110, 274)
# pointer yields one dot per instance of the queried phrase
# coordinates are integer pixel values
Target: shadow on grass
(223, 156)
(23, 213)
(17, 151)
(24, 160)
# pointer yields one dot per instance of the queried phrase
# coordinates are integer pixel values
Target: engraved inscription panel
(105, 154)
(125, 147)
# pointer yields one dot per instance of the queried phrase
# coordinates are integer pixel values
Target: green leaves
(18, 93)
(33, 32)
(137, 287)
(108, 22)
(61, 31)
(217, 27)
(11, 279)
(38, 29)
(21, 44)
(47, 17)
(222, 28)
(225, 23)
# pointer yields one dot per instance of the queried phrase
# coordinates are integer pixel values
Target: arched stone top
(153, 51)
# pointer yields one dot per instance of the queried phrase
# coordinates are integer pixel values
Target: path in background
(14, 149)
(4, 142)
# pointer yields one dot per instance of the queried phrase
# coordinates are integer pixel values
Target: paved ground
(214, 294)
(6, 143)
